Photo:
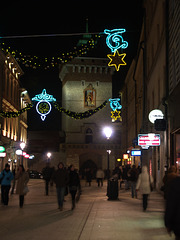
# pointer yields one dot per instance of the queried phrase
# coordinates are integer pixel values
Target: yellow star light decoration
(116, 59)
(116, 114)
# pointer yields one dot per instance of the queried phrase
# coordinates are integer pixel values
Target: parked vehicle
(35, 174)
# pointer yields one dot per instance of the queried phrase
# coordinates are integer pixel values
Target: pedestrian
(144, 183)
(100, 177)
(171, 174)
(6, 176)
(22, 178)
(47, 175)
(74, 184)
(60, 177)
(172, 212)
(133, 176)
(88, 176)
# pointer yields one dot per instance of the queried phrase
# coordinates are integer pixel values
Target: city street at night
(93, 218)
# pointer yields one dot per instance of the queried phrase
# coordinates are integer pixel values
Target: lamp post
(48, 156)
(22, 146)
(108, 132)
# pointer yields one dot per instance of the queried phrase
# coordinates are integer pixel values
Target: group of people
(65, 179)
(6, 176)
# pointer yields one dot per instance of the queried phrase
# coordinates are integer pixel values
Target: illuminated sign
(149, 139)
(2, 154)
(114, 39)
(2, 149)
(135, 152)
(125, 156)
(155, 114)
(43, 107)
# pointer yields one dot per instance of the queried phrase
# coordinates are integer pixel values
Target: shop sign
(149, 139)
(2, 149)
(135, 152)
(155, 114)
(2, 154)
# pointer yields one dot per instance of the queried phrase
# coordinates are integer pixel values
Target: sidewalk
(94, 217)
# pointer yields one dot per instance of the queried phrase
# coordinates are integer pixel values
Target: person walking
(133, 176)
(172, 212)
(88, 176)
(60, 177)
(6, 176)
(47, 175)
(100, 177)
(144, 183)
(168, 178)
(74, 183)
(22, 178)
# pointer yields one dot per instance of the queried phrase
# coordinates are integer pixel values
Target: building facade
(145, 90)
(86, 84)
(174, 81)
(12, 99)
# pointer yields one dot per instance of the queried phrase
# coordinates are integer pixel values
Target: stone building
(86, 84)
(145, 89)
(12, 98)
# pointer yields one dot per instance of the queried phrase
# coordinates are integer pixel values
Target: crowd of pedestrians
(68, 180)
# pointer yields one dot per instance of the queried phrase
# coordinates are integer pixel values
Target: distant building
(12, 98)
(86, 84)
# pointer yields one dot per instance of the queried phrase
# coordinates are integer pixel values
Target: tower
(86, 84)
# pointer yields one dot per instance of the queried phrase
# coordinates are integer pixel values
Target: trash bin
(112, 190)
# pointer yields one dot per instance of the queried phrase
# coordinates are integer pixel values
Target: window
(89, 136)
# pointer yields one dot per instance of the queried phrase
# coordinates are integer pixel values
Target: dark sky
(50, 17)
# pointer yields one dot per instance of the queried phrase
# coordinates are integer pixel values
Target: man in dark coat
(60, 177)
(47, 175)
(172, 213)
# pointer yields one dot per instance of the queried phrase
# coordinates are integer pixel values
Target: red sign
(149, 139)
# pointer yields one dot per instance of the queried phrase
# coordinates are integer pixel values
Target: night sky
(19, 18)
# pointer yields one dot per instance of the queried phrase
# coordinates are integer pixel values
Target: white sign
(149, 139)
(3, 154)
(155, 114)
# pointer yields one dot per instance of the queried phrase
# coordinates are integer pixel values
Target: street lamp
(108, 132)
(22, 146)
(48, 156)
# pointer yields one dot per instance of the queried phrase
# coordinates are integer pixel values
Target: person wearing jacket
(74, 183)
(172, 212)
(100, 177)
(23, 179)
(60, 177)
(168, 178)
(6, 177)
(144, 185)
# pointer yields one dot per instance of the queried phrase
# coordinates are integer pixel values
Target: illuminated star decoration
(43, 107)
(116, 59)
(116, 114)
(116, 106)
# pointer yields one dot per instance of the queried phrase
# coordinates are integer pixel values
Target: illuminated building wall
(12, 98)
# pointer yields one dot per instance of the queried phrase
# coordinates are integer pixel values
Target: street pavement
(93, 218)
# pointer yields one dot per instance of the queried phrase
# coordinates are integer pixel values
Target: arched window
(89, 136)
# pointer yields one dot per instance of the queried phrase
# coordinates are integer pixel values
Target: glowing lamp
(108, 132)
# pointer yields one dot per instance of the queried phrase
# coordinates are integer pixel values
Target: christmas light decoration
(116, 59)
(43, 107)
(116, 114)
(115, 104)
(15, 114)
(37, 62)
(77, 115)
(114, 39)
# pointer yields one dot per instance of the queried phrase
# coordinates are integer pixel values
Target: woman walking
(144, 183)
(21, 187)
(74, 183)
